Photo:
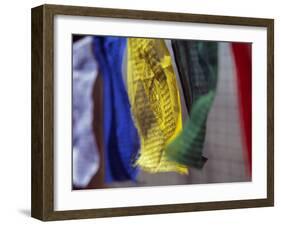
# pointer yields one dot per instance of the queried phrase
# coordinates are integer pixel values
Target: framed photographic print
(141, 112)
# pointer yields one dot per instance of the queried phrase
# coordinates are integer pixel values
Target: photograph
(160, 112)
(140, 113)
(149, 112)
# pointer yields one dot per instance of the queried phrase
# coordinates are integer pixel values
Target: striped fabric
(198, 62)
(155, 102)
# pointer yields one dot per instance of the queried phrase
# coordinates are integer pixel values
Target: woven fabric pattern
(155, 102)
(201, 58)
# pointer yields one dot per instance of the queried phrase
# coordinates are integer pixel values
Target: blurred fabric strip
(86, 159)
(223, 142)
(243, 60)
(121, 141)
(155, 102)
(197, 61)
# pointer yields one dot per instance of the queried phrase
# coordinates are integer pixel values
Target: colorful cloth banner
(243, 60)
(155, 102)
(121, 141)
(196, 60)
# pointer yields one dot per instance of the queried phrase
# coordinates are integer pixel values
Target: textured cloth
(85, 152)
(121, 142)
(155, 102)
(223, 141)
(198, 62)
(194, 59)
(242, 55)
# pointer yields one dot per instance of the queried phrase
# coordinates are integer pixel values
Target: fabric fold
(242, 54)
(121, 142)
(197, 65)
(86, 159)
(155, 102)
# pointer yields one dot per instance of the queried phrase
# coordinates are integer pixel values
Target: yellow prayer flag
(155, 102)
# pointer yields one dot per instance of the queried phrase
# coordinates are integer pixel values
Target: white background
(15, 112)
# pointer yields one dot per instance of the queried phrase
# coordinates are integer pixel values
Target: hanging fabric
(121, 142)
(155, 102)
(197, 62)
(243, 61)
(86, 160)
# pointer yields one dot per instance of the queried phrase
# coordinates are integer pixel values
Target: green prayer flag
(198, 63)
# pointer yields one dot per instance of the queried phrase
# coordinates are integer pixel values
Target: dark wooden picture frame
(42, 203)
